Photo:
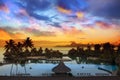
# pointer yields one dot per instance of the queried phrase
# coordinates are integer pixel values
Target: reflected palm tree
(13, 62)
(22, 63)
(11, 70)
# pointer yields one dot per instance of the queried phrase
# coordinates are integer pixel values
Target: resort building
(61, 70)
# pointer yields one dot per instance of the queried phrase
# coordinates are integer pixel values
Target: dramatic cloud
(105, 8)
(3, 7)
(39, 33)
(103, 25)
(35, 7)
(61, 20)
(73, 5)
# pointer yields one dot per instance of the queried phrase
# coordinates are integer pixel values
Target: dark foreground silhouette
(59, 78)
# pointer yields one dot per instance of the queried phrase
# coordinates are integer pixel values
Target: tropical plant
(108, 52)
(19, 46)
(28, 43)
(118, 50)
(10, 45)
(97, 47)
(97, 50)
(40, 51)
(10, 48)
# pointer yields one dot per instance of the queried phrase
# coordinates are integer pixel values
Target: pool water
(45, 69)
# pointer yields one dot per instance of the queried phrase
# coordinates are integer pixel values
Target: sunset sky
(82, 21)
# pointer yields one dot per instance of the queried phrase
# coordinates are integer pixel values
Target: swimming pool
(45, 69)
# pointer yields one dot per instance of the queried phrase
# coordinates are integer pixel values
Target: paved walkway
(59, 78)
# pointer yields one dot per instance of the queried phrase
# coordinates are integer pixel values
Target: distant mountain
(72, 44)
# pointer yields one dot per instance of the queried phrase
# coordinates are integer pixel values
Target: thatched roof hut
(61, 68)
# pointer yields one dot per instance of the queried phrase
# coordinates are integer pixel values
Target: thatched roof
(61, 68)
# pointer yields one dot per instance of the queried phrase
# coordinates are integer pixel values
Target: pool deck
(59, 78)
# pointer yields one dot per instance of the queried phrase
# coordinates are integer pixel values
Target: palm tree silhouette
(19, 46)
(97, 50)
(9, 45)
(118, 50)
(108, 52)
(97, 47)
(28, 43)
(19, 50)
(88, 47)
(107, 46)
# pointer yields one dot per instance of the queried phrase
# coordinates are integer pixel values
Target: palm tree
(106, 49)
(97, 47)
(19, 50)
(34, 52)
(88, 51)
(72, 53)
(118, 50)
(19, 46)
(80, 51)
(97, 50)
(28, 43)
(10, 47)
(40, 51)
(89, 47)
(108, 52)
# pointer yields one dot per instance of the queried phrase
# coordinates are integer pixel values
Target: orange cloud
(18, 36)
(64, 10)
(4, 35)
(80, 14)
